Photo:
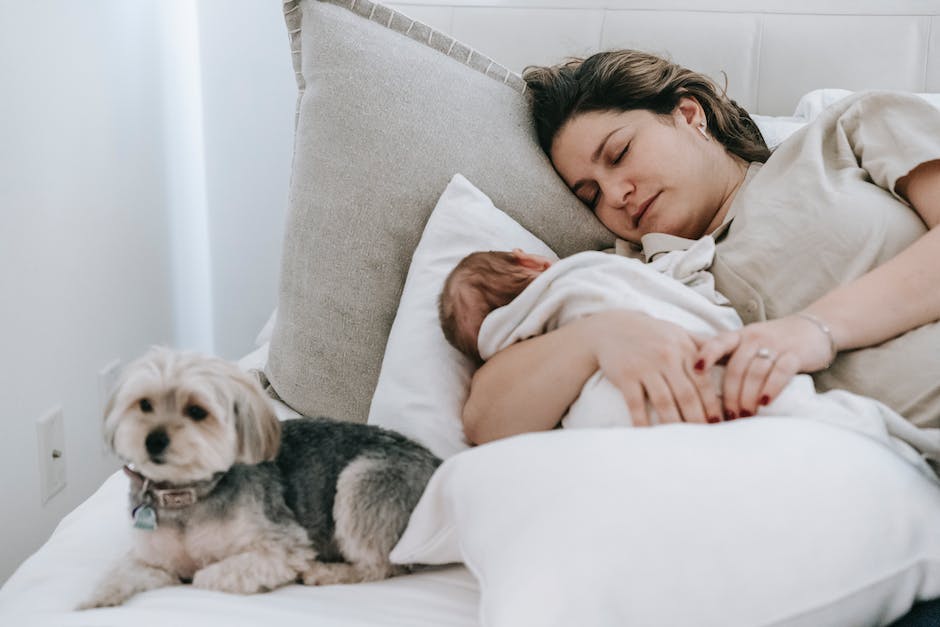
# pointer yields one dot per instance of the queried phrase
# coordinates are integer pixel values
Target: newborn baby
(675, 287)
(494, 299)
(480, 283)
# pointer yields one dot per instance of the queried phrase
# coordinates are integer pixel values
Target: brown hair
(480, 283)
(626, 80)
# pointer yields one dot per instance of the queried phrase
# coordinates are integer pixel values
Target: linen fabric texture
(823, 211)
(388, 111)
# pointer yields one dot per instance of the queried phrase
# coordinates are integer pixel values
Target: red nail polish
(713, 419)
(765, 400)
(746, 414)
(700, 365)
(729, 415)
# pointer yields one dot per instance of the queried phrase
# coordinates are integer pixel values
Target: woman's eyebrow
(595, 157)
(600, 149)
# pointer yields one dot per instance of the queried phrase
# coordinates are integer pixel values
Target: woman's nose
(618, 193)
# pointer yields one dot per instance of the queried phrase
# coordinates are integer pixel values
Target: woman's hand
(762, 358)
(530, 385)
(646, 358)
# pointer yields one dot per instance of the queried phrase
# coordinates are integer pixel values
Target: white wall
(84, 241)
(145, 152)
(248, 96)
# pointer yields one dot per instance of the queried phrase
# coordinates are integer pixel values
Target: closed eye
(621, 155)
(591, 201)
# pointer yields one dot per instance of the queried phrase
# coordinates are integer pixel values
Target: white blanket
(675, 287)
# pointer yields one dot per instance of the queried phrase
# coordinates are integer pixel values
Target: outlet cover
(50, 429)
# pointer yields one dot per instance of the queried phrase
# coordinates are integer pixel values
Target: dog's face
(181, 417)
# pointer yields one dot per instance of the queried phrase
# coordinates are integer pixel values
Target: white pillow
(424, 382)
(775, 129)
(771, 521)
(264, 335)
(813, 103)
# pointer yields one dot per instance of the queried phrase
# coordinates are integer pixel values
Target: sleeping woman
(826, 248)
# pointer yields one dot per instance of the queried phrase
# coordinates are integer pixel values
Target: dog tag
(145, 518)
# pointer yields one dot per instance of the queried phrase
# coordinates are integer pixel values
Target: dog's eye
(196, 412)
(145, 405)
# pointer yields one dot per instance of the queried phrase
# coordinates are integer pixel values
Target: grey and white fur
(245, 503)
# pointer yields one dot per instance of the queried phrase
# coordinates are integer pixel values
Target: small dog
(224, 495)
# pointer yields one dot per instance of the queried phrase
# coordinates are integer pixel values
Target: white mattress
(88, 541)
(63, 572)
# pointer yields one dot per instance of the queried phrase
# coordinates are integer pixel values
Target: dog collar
(153, 496)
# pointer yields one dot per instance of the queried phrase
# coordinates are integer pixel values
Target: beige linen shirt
(823, 211)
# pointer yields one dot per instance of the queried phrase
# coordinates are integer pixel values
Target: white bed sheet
(61, 574)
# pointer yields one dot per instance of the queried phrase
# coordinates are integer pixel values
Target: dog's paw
(117, 589)
(128, 577)
(244, 574)
(322, 574)
(97, 603)
(107, 596)
(220, 578)
(328, 574)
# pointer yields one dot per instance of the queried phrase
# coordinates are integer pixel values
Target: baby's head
(480, 283)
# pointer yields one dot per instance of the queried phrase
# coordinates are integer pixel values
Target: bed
(528, 531)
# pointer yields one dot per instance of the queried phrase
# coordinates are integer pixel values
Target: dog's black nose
(157, 441)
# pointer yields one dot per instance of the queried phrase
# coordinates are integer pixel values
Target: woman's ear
(689, 111)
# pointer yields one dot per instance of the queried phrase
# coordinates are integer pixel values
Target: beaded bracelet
(822, 326)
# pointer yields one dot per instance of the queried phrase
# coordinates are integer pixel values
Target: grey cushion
(388, 111)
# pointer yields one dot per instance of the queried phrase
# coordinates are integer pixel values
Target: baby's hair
(470, 290)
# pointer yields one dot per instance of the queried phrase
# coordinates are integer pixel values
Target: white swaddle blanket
(678, 288)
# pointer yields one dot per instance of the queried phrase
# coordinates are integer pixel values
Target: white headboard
(773, 51)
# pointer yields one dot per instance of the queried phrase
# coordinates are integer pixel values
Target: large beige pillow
(389, 110)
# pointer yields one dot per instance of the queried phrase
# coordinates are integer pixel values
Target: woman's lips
(644, 208)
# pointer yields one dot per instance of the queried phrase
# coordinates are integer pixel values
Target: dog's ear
(257, 426)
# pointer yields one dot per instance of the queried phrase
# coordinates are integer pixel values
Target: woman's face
(640, 173)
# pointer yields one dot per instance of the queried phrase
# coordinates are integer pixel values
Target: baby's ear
(257, 426)
(530, 261)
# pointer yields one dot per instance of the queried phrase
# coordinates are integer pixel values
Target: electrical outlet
(50, 430)
(107, 382)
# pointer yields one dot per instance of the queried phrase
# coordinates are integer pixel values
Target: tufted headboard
(772, 51)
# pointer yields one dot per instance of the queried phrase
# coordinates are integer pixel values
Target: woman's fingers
(713, 349)
(755, 376)
(676, 397)
(764, 358)
(695, 391)
(708, 384)
(689, 397)
(754, 381)
(661, 399)
(785, 368)
(653, 360)
(635, 398)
